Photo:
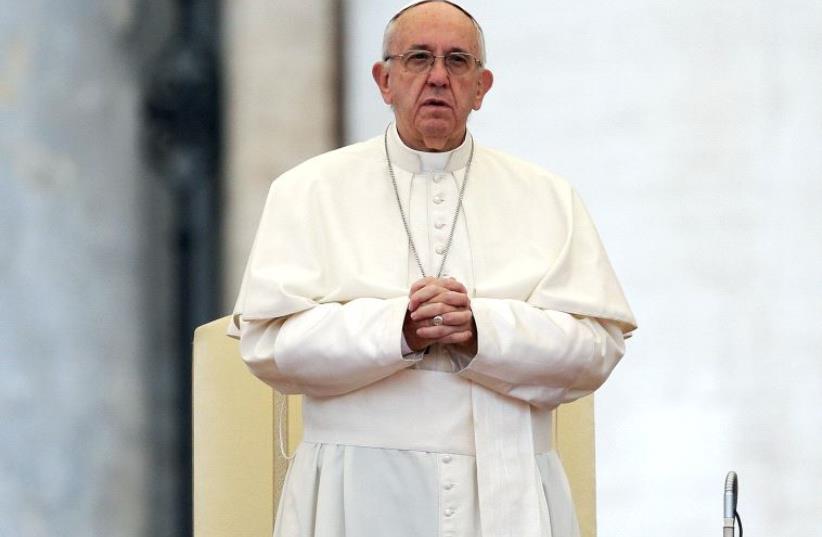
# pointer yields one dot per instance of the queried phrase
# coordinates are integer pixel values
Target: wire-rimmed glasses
(420, 61)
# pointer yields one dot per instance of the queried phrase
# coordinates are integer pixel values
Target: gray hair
(388, 35)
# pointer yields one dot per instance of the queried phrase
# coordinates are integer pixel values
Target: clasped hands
(444, 297)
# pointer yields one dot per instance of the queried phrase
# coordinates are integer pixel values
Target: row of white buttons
(449, 485)
(439, 197)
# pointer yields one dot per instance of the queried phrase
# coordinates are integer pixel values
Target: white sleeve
(543, 357)
(329, 349)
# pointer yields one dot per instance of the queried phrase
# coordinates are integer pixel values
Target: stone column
(281, 106)
(281, 90)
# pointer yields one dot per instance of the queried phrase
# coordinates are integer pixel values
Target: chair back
(238, 468)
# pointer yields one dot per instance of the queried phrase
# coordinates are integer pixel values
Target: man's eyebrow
(421, 46)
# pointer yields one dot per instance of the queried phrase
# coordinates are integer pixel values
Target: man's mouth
(435, 102)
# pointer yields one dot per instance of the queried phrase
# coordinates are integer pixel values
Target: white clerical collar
(415, 161)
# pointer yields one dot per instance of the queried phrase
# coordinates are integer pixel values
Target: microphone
(731, 493)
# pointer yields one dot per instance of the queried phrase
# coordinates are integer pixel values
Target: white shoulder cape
(331, 232)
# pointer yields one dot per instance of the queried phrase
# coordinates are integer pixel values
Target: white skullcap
(413, 4)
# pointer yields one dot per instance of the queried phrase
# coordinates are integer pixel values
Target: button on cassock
(439, 198)
(440, 249)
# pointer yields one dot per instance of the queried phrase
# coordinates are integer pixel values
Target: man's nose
(438, 75)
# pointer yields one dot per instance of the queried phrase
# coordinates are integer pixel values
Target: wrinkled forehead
(434, 17)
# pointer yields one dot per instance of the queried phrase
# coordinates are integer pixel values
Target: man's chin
(436, 129)
(435, 144)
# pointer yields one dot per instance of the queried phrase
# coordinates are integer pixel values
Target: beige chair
(238, 469)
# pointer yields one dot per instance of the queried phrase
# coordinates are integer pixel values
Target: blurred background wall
(107, 170)
(86, 445)
(137, 142)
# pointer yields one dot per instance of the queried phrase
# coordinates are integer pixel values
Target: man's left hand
(447, 298)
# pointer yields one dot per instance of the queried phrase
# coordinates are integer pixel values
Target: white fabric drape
(325, 293)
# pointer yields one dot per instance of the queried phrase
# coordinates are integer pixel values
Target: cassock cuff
(487, 344)
(408, 353)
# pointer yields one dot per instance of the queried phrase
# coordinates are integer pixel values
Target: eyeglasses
(420, 61)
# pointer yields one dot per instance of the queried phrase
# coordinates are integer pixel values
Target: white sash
(511, 500)
(443, 413)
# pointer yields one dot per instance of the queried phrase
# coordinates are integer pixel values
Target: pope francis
(434, 300)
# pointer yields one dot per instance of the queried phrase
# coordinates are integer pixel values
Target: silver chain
(405, 220)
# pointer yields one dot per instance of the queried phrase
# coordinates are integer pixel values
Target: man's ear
(380, 73)
(486, 80)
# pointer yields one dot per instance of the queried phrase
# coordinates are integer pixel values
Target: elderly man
(434, 300)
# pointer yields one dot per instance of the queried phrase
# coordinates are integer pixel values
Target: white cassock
(437, 444)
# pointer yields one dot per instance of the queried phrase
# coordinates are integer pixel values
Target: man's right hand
(447, 298)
